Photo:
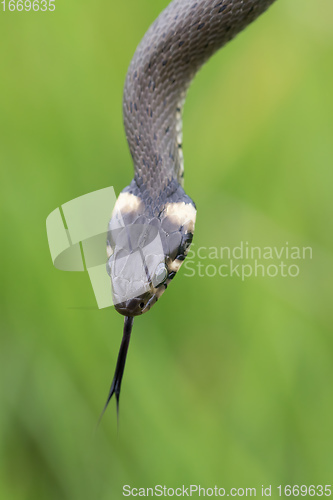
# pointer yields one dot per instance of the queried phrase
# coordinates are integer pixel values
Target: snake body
(152, 224)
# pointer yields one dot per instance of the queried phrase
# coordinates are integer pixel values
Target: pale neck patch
(128, 202)
(182, 214)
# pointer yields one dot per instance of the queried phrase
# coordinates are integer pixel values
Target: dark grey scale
(152, 225)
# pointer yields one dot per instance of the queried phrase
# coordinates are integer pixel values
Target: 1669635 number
(26, 5)
(303, 490)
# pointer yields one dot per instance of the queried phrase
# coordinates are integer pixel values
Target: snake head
(146, 251)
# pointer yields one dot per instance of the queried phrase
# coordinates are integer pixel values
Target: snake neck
(181, 39)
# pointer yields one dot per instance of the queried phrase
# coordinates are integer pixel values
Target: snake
(152, 223)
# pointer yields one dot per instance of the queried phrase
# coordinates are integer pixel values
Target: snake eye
(160, 275)
(185, 245)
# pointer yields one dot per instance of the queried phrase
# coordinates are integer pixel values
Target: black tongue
(119, 371)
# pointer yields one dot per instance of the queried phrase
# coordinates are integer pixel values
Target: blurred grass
(227, 382)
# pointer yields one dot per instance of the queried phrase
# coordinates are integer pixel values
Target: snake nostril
(142, 305)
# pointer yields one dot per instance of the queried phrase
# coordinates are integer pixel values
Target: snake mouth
(135, 306)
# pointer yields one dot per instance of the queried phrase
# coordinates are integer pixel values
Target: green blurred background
(227, 382)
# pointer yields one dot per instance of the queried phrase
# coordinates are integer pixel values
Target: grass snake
(152, 224)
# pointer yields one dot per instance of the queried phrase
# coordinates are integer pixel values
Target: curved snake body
(152, 224)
